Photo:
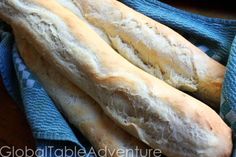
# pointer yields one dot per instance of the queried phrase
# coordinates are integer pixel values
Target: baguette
(157, 49)
(146, 107)
(80, 109)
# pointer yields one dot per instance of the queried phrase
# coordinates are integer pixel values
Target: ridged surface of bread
(156, 49)
(80, 109)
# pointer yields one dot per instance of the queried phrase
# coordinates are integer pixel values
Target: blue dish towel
(50, 129)
(214, 36)
(228, 101)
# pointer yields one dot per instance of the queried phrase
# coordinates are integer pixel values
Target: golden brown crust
(157, 49)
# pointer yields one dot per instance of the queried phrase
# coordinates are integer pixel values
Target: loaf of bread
(156, 49)
(80, 109)
(146, 107)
